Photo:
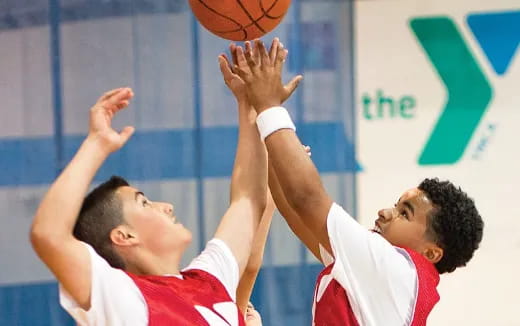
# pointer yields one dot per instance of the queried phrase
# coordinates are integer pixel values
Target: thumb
(126, 133)
(291, 86)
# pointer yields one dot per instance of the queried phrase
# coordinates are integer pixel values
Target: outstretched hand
(232, 80)
(261, 72)
(101, 115)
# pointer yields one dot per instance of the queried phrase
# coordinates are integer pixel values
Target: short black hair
(454, 223)
(100, 213)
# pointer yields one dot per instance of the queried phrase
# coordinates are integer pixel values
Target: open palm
(231, 71)
(232, 80)
(101, 115)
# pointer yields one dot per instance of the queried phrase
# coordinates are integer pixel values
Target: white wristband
(273, 119)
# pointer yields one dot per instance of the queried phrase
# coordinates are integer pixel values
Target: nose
(168, 209)
(165, 208)
(385, 214)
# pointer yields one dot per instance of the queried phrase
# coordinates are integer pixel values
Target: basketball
(239, 20)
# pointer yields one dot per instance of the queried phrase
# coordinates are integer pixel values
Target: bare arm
(249, 178)
(301, 184)
(52, 229)
(247, 282)
(297, 175)
(275, 199)
(294, 221)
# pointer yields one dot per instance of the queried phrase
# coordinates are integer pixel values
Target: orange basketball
(239, 20)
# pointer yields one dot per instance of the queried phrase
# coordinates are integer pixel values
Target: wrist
(261, 107)
(243, 102)
(265, 103)
(273, 119)
(97, 145)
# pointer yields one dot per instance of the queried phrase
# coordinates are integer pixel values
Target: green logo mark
(469, 92)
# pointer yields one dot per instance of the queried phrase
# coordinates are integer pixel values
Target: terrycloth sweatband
(273, 119)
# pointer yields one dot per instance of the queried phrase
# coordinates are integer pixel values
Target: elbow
(258, 204)
(46, 244)
(259, 198)
(253, 266)
(39, 237)
(43, 238)
(301, 199)
(261, 205)
(36, 233)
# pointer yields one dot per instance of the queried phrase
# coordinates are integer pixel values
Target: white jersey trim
(116, 299)
(370, 270)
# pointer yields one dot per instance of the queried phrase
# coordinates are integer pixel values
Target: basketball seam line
(265, 13)
(250, 17)
(241, 27)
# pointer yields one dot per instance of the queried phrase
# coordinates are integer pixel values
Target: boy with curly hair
(385, 276)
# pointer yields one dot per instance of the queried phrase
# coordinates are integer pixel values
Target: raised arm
(297, 175)
(254, 263)
(248, 180)
(52, 229)
(277, 199)
(294, 221)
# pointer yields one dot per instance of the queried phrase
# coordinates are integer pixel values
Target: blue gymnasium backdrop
(57, 57)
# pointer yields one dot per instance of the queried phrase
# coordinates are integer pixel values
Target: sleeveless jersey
(332, 307)
(199, 298)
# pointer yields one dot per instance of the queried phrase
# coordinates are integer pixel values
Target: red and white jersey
(369, 281)
(203, 294)
(199, 298)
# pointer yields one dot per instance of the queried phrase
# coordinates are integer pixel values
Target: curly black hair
(454, 223)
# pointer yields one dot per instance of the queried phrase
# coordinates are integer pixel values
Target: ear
(123, 235)
(433, 253)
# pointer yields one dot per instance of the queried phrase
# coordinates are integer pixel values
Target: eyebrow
(137, 193)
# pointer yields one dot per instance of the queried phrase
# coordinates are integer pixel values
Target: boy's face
(405, 224)
(153, 222)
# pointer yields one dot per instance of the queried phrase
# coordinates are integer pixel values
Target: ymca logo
(469, 91)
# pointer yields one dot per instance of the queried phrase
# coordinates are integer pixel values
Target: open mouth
(377, 229)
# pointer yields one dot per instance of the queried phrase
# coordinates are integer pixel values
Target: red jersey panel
(332, 306)
(427, 296)
(197, 299)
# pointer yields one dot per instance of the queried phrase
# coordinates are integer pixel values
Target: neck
(144, 263)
